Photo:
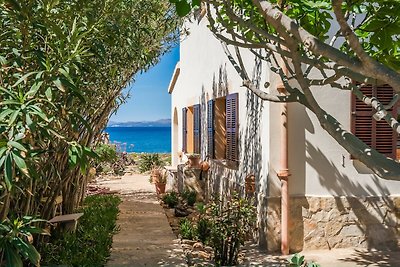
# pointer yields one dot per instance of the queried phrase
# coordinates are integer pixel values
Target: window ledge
(234, 165)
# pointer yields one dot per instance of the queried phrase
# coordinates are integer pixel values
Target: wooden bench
(69, 221)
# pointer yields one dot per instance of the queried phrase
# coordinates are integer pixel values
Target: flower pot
(160, 188)
(204, 165)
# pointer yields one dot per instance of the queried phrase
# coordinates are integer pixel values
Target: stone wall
(337, 222)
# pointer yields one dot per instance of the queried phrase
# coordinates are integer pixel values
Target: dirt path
(145, 237)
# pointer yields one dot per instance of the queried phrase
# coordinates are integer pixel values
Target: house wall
(325, 185)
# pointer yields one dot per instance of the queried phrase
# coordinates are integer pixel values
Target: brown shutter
(210, 129)
(232, 127)
(184, 129)
(196, 128)
(376, 134)
(386, 138)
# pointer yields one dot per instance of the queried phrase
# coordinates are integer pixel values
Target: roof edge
(174, 78)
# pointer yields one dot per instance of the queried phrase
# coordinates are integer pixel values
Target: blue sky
(149, 99)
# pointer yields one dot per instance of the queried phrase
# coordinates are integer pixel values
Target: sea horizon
(141, 139)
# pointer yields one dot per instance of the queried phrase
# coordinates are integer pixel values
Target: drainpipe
(284, 173)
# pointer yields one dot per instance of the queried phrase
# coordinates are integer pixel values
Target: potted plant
(158, 177)
(194, 160)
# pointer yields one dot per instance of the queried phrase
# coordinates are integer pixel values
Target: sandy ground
(146, 239)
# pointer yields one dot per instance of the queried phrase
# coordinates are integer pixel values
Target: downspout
(284, 173)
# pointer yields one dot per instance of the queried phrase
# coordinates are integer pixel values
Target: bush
(189, 196)
(171, 199)
(203, 230)
(106, 153)
(230, 225)
(187, 229)
(15, 245)
(148, 161)
(90, 245)
(298, 261)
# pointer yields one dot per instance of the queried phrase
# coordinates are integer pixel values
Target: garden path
(145, 237)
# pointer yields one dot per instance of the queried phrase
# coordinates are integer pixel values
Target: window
(196, 129)
(184, 130)
(222, 128)
(377, 134)
(210, 129)
(191, 129)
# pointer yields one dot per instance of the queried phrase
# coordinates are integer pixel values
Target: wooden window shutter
(210, 129)
(184, 129)
(232, 127)
(197, 128)
(377, 134)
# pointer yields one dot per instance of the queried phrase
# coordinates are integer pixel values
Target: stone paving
(145, 237)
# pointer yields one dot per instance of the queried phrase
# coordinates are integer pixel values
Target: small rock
(201, 254)
(197, 246)
(181, 212)
(188, 242)
(208, 249)
(186, 247)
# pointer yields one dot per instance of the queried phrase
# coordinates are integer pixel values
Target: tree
(348, 43)
(63, 65)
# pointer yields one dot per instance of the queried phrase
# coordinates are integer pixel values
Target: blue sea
(141, 139)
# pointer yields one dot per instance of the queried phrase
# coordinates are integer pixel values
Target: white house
(335, 201)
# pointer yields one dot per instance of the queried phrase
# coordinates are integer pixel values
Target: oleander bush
(231, 222)
(63, 68)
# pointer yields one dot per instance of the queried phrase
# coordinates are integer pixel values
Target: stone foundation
(315, 222)
(337, 222)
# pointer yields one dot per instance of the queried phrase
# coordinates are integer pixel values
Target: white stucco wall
(203, 64)
(319, 166)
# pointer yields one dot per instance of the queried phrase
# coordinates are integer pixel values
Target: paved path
(145, 237)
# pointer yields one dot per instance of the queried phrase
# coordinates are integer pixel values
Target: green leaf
(16, 145)
(182, 8)
(195, 3)
(20, 162)
(35, 87)
(23, 78)
(8, 170)
(59, 85)
(49, 94)
(27, 250)
(13, 117)
(5, 113)
(12, 257)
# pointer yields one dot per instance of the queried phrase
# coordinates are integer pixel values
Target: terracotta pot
(204, 165)
(160, 188)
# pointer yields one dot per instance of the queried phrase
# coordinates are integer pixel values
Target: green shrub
(231, 222)
(106, 153)
(91, 243)
(189, 196)
(187, 229)
(203, 230)
(148, 161)
(298, 261)
(171, 199)
(15, 247)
